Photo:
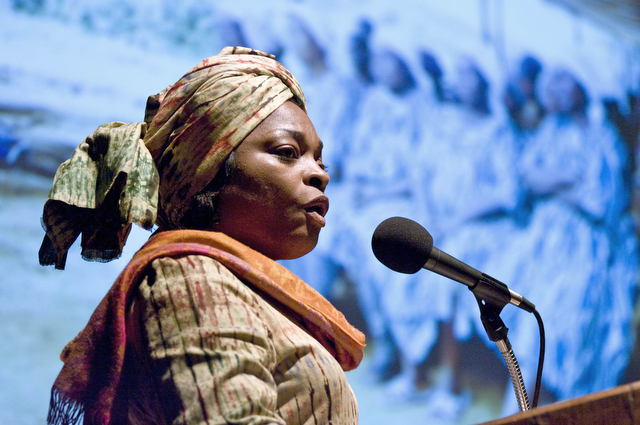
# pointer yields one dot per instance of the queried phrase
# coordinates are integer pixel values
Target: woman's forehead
(289, 120)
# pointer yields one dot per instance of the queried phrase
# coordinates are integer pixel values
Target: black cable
(536, 392)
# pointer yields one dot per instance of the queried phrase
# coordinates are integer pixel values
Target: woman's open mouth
(317, 209)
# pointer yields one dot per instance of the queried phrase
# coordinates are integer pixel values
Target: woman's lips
(316, 217)
(317, 209)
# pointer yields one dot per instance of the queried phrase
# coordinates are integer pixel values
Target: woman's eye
(287, 152)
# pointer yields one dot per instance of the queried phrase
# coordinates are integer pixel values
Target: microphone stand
(490, 310)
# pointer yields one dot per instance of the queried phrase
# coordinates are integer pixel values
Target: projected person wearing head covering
(376, 183)
(580, 231)
(574, 253)
(520, 96)
(465, 174)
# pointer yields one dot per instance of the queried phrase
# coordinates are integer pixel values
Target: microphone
(406, 247)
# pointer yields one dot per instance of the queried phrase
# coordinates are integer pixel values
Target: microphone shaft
(442, 263)
(481, 284)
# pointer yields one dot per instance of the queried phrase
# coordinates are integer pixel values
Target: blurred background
(508, 130)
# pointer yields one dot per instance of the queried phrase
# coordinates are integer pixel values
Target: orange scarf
(94, 360)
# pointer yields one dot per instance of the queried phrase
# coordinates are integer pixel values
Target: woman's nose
(316, 176)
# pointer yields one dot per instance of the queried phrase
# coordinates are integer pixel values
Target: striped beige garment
(207, 349)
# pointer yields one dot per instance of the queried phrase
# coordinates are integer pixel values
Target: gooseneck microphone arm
(497, 332)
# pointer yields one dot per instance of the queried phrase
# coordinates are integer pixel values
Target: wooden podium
(617, 406)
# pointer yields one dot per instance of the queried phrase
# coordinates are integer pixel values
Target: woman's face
(275, 201)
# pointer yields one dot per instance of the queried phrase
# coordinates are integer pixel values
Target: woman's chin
(298, 249)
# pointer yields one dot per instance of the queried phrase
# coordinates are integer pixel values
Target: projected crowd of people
(533, 189)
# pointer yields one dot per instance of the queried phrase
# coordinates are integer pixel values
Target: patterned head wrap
(124, 173)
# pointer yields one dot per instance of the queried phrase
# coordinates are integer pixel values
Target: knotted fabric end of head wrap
(109, 183)
(125, 173)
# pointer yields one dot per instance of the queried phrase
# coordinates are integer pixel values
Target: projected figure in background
(360, 51)
(520, 98)
(432, 69)
(582, 243)
(465, 174)
(377, 184)
(627, 126)
(575, 254)
(626, 122)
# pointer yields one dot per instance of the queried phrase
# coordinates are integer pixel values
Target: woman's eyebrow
(294, 134)
(299, 137)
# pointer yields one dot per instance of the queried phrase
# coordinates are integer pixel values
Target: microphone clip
(491, 293)
(490, 315)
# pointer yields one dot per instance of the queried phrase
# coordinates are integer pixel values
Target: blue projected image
(509, 130)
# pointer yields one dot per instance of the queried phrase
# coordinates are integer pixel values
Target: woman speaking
(203, 326)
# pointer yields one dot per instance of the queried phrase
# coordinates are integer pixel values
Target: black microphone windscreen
(402, 244)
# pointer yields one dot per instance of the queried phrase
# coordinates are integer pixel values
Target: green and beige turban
(124, 173)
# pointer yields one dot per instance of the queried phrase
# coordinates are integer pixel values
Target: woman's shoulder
(197, 283)
(194, 269)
